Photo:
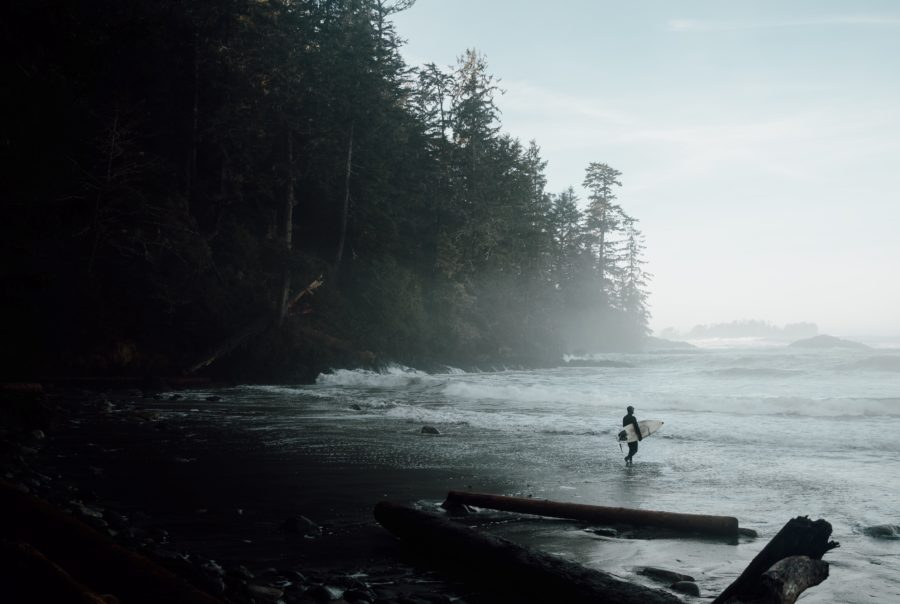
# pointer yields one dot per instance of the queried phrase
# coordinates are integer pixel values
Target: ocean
(760, 432)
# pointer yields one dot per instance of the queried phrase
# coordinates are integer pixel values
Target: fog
(758, 144)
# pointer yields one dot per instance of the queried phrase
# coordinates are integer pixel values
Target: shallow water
(761, 434)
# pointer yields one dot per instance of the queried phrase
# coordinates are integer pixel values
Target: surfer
(632, 446)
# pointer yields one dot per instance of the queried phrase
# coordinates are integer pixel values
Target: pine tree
(633, 292)
(603, 220)
(567, 233)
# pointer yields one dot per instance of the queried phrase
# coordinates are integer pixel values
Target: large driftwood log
(497, 563)
(694, 523)
(776, 574)
(90, 558)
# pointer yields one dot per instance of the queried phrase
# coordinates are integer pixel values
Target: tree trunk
(191, 177)
(799, 537)
(695, 523)
(287, 229)
(492, 562)
(345, 211)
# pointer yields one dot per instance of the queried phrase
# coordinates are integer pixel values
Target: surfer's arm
(637, 429)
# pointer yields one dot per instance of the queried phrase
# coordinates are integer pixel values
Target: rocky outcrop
(825, 341)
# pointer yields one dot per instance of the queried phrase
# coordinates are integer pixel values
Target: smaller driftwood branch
(790, 577)
(778, 573)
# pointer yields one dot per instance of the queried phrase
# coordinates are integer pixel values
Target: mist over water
(761, 434)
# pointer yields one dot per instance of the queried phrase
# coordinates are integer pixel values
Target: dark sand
(184, 498)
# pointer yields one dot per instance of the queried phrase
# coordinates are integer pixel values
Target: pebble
(266, 593)
(325, 593)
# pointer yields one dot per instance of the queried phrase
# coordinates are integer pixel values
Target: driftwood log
(725, 526)
(62, 555)
(28, 576)
(495, 562)
(790, 563)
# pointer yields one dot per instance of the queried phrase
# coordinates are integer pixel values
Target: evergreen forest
(263, 189)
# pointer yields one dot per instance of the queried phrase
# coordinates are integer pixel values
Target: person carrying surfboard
(632, 420)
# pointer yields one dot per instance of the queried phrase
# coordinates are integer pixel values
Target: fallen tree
(726, 526)
(492, 561)
(252, 329)
(788, 565)
(52, 551)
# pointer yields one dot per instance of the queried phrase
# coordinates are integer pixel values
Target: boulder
(662, 575)
(686, 587)
(883, 531)
(430, 430)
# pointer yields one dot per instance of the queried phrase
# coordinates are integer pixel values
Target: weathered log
(28, 576)
(799, 537)
(694, 523)
(497, 563)
(790, 577)
(91, 558)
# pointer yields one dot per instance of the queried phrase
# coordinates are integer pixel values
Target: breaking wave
(394, 376)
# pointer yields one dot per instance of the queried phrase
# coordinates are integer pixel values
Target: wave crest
(393, 376)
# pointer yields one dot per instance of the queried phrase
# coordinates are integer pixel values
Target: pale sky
(759, 141)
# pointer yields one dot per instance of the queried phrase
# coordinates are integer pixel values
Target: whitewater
(763, 434)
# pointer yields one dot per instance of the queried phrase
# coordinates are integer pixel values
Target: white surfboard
(648, 427)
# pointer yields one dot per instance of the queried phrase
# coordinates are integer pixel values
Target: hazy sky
(759, 141)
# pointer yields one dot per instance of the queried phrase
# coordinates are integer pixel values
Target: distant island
(825, 341)
(744, 329)
(654, 344)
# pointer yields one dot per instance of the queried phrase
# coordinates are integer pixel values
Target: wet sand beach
(227, 510)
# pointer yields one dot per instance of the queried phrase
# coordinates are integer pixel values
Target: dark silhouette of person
(632, 446)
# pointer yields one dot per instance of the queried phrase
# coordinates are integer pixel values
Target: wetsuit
(632, 446)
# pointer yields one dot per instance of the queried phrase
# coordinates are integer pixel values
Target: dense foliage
(175, 170)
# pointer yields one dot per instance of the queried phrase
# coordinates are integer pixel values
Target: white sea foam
(505, 421)
(393, 376)
(291, 392)
(778, 405)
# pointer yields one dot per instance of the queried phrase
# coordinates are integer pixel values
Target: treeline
(746, 329)
(176, 170)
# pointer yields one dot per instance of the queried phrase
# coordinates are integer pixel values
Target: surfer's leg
(632, 449)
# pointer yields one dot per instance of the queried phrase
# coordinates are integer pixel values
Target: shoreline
(224, 518)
